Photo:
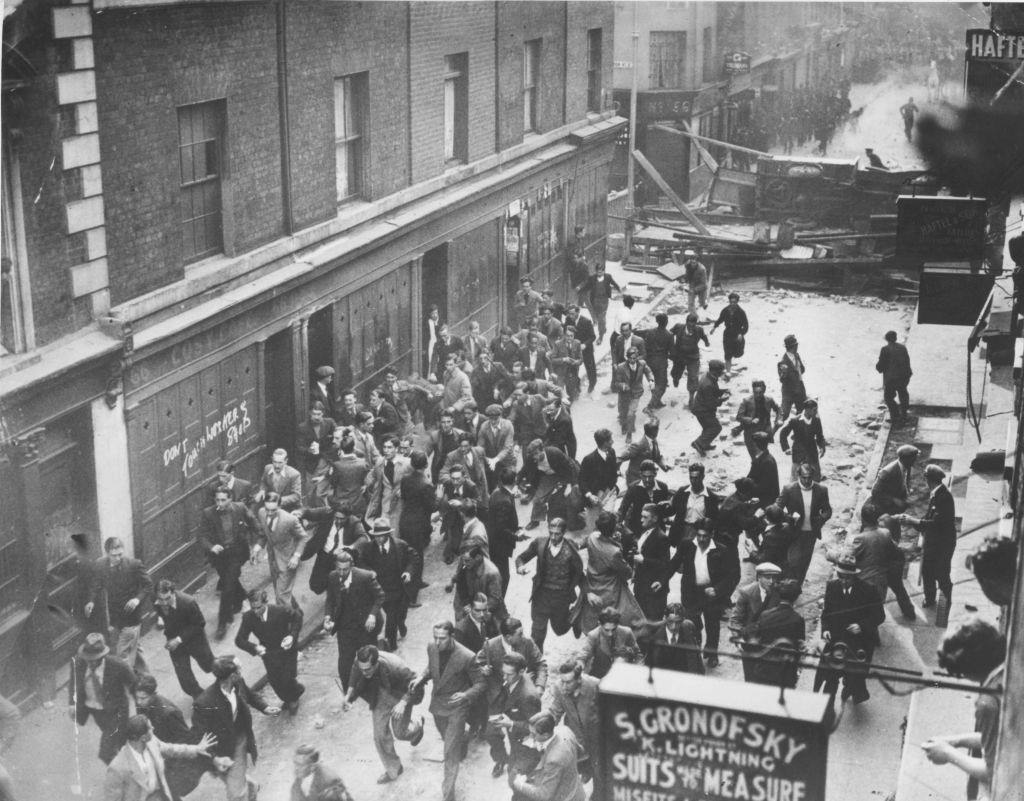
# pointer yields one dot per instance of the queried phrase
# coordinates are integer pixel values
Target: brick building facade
(203, 202)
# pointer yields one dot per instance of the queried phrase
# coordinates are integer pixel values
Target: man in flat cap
(527, 301)
(323, 389)
(791, 378)
(704, 406)
(892, 485)
(751, 600)
(939, 528)
(894, 365)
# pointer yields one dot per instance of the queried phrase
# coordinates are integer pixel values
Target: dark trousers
(600, 314)
(113, 726)
(935, 572)
(452, 729)
(550, 607)
(660, 370)
(892, 391)
(228, 565)
(590, 366)
(854, 682)
(894, 581)
(791, 398)
(690, 366)
(503, 563)
(652, 603)
(710, 428)
(798, 557)
(350, 641)
(706, 613)
(282, 673)
(395, 611)
(181, 659)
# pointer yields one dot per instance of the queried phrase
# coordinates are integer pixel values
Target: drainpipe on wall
(282, 103)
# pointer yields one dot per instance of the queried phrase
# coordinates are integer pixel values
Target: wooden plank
(704, 154)
(664, 187)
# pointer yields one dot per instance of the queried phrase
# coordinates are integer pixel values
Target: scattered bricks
(874, 426)
(844, 466)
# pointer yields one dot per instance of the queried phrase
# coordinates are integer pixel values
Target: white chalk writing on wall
(232, 425)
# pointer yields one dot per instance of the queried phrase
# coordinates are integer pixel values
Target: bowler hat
(95, 647)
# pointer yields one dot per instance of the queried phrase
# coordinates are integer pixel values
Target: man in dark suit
(382, 680)
(442, 441)
(764, 471)
(352, 610)
(457, 683)
(647, 490)
(505, 349)
(586, 336)
(751, 600)
(533, 357)
(239, 489)
(478, 625)
(851, 616)
(808, 438)
(791, 370)
(690, 505)
(335, 527)
(651, 564)
(642, 450)
(892, 484)
(313, 439)
(710, 572)
(276, 629)
(556, 775)
(781, 622)
(470, 458)
(674, 630)
(556, 584)
(100, 687)
(704, 405)
(394, 562)
(658, 344)
(517, 699)
(806, 502)
(223, 710)
(599, 475)
(755, 416)
(503, 529)
(185, 630)
(939, 528)
(894, 365)
(509, 639)
(386, 422)
(348, 476)
(456, 490)
(415, 522)
(322, 389)
(120, 588)
(560, 433)
(431, 336)
(491, 382)
(447, 345)
(226, 536)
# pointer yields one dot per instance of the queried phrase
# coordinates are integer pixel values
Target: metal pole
(630, 170)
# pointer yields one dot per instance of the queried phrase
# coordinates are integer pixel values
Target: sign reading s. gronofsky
(692, 738)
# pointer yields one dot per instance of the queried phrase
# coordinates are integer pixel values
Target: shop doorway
(434, 288)
(279, 397)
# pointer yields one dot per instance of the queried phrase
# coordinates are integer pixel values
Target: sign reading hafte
(986, 45)
(940, 229)
(685, 737)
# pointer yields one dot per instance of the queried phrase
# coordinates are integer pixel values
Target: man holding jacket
(276, 629)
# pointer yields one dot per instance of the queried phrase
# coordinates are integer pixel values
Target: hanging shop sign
(940, 229)
(693, 738)
(737, 63)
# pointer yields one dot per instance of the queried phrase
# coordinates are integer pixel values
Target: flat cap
(494, 410)
(768, 569)
(935, 472)
(689, 252)
(716, 364)
(790, 339)
(324, 372)
(907, 450)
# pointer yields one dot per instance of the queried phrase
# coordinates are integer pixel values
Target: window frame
(674, 45)
(531, 85)
(455, 108)
(594, 74)
(208, 187)
(355, 143)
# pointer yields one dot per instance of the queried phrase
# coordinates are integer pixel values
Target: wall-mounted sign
(693, 738)
(737, 63)
(940, 229)
(986, 45)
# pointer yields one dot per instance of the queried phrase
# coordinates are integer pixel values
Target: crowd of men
(367, 488)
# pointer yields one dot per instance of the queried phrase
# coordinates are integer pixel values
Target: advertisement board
(940, 229)
(683, 737)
